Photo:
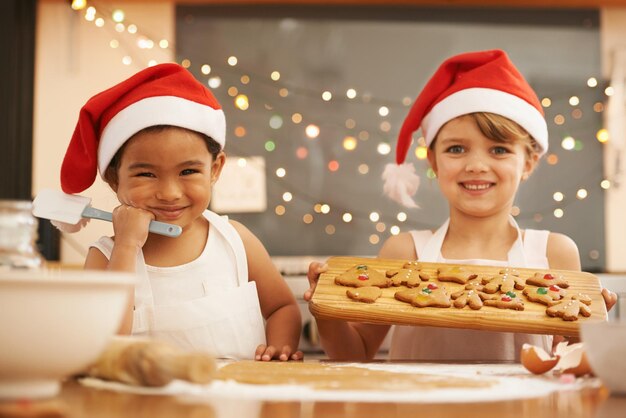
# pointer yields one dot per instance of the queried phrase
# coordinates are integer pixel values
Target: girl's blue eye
(500, 150)
(455, 149)
(188, 171)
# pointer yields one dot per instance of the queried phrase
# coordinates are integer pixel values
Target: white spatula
(69, 208)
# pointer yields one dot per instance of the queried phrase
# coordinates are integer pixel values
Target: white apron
(433, 343)
(225, 322)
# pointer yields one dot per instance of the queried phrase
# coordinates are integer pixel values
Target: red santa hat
(483, 81)
(165, 94)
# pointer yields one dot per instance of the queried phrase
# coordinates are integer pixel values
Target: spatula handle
(156, 227)
(93, 213)
(166, 229)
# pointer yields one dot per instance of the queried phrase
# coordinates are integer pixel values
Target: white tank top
(433, 343)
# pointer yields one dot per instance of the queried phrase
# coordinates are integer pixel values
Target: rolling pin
(146, 362)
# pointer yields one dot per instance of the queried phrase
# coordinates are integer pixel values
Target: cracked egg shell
(573, 359)
(582, 369)
(536, 360)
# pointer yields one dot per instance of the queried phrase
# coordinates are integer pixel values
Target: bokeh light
(349, 143)
(312, 131)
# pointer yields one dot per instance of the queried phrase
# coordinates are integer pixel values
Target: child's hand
(315, 269)
(130, 225)
(610, 298)
(269, 352)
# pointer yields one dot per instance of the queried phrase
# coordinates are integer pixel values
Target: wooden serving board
(331, 302)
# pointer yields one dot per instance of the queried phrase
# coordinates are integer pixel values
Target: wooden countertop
(78, 401)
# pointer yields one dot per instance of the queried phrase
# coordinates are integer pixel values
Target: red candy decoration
(548, 276)
(432, 286)
(363, 277)
(506, 298)
(554, 288)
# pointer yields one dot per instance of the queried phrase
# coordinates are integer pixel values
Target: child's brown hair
(499, 128)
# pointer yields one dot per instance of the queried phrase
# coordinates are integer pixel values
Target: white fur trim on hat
(486, 100)
(159, 110)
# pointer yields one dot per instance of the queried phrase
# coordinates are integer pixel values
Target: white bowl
(605, 345)
(53, 323)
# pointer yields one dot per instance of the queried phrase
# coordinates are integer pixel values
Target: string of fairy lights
(229, 75)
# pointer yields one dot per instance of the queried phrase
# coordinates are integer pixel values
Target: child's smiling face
(477, 175)
(169, 172)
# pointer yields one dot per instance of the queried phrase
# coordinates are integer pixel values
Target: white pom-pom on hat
(401, 183)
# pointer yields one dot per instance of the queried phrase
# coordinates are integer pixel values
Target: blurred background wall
(385, 55)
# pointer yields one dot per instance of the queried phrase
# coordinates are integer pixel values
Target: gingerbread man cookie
(406, 277)
(456, 274)
(428, 295)
(367, 294)
(361, 276)
(472, 295)
(583, 298)
(508, 300)
(416, 265)
(547, 279)
(547, 295)
(569, 308)
(413, 265)
(504, 283)
(510, 270)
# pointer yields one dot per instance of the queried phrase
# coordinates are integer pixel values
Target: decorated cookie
(406, 277)
(362, 276)
(508, 300)
(583, 298)
(547, 295)
(471, 295)
(473, 298)
(429, 294)
(474, 284)
(412, 265)
(510, 270)
(570, 308)
(367, 294)
(456, 274)
(503, 282)
(547, 279)
(416, 265)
